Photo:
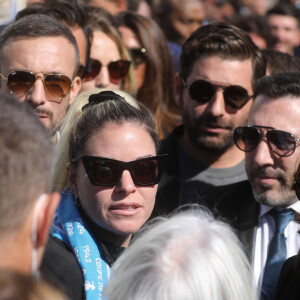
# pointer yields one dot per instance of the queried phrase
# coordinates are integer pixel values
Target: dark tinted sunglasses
(202, 91)
(107, 172)
(280, 142)
(57, 86)
(138, 55)
(117, 70)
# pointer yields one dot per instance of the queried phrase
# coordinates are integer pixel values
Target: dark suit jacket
(60, 267)
(288, 287)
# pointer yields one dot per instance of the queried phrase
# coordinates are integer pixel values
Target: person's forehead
(43, 52)
(226, 71)
(281, 113)
(280, 20)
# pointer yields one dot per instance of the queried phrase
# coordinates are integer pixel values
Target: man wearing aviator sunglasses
(219, 67)
(263, 207)
(39, 59)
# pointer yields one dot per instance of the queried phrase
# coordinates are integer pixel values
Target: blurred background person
(153, 68)
(179, 18)
(187, 256)
(283, 20)
(257, 27)
(112, 6)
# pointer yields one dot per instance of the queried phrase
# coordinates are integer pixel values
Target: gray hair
(26, 161)
(188, 256)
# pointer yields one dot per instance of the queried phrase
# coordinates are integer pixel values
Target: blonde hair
(62, 148)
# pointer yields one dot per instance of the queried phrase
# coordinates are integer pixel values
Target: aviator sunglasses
(280, 142)
(202, 91)
(107, 172)
(57, 86)
(117, 70)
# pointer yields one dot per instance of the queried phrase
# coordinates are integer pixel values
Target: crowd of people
(149, 150)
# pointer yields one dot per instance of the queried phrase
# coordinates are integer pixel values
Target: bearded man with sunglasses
(262, 209)
(39, 59)
(219, 67)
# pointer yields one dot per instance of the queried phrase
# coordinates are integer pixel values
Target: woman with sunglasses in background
(109, 65)
(153, 68)
(113, 171)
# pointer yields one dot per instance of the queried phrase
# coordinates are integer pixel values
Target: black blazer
(288, 287)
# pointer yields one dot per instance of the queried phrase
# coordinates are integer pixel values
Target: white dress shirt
(265, 232)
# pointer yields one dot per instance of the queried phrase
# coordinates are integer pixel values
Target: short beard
(204, 140)
(282, 198)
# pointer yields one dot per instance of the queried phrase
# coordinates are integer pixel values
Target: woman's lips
(126, 209)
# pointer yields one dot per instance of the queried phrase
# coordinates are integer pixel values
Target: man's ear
(75, 89)
(178, 89)
(45, 218)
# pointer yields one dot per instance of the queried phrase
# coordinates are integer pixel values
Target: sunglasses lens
(246, 138)
(145, 171)
(235, 96)
(138, 55)
(19, 82)
(281, 142)
(118, 70)
(57, 86)
(92, 70)
(107, 172)
(202, 91)
(101, 171)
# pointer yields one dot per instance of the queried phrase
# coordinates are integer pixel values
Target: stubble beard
(210, 142)
(284, 196)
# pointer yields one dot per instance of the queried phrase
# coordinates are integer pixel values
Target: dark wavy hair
(157, 89)
(225, 41)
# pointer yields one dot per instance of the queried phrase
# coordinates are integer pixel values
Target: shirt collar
(264, 209)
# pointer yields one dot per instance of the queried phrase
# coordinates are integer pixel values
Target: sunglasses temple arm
(3, 77)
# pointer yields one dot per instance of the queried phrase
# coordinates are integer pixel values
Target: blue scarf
(69, 227)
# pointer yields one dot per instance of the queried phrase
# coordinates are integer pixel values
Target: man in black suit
(256, 210)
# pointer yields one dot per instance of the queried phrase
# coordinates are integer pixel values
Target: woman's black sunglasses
(202, 91)
(107, 172)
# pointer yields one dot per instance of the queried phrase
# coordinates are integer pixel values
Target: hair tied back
(104, 96)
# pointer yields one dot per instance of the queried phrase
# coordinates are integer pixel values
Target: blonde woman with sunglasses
(109, 65)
